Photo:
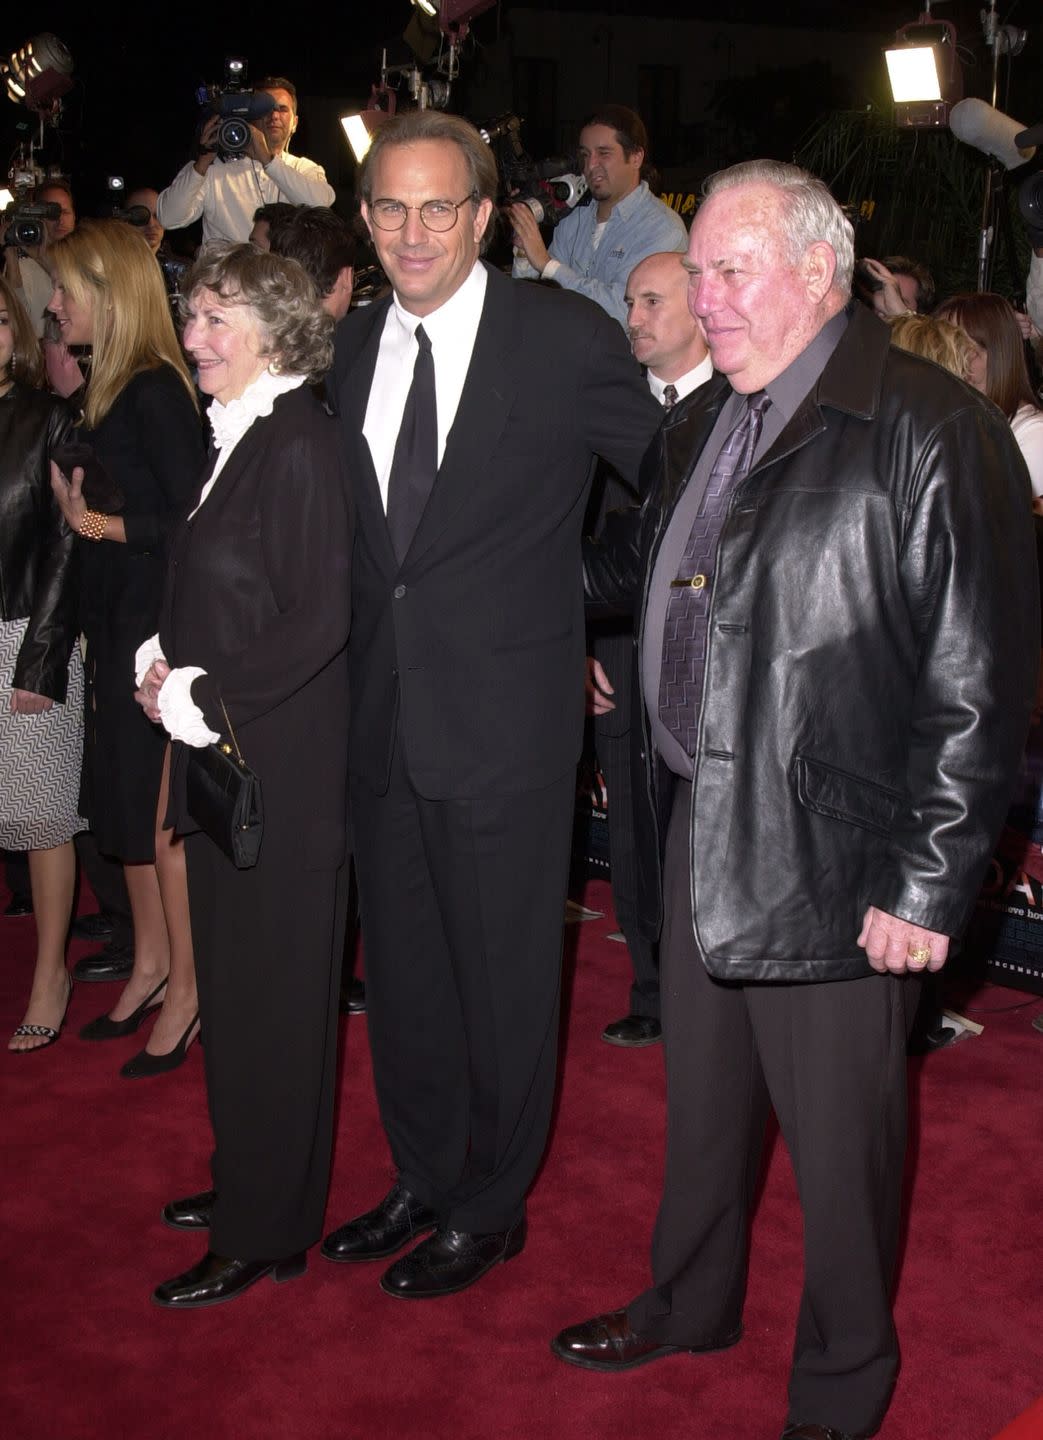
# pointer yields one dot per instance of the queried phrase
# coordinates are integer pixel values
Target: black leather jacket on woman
(37, 562)
(872, 651)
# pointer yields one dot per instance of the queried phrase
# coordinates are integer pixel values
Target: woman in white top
(999, 370)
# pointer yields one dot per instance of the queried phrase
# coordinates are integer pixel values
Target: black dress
(150, 443)
(258, 596)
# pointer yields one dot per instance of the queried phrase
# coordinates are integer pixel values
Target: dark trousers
(268, 983)
(462, 906)
(830, 1059)
(614, 755)
(110, 890)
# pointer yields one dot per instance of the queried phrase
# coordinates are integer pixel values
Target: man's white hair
(809, 212)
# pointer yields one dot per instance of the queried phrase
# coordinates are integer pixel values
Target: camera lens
(1030, 199)
(234, 135)
(27, 232)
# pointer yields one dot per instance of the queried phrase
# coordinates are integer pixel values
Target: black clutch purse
(223, 797)
(100, 491)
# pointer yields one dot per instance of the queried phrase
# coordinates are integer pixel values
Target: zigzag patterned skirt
(40, 758)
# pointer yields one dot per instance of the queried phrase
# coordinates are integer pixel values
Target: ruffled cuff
(147, 653)
(181, 716)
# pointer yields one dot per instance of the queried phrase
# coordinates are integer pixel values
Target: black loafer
(107, 964)
(91, 927)
(399, 1218)
(191, 1213)
(449, 1261)
(633, 1031)
(353, 997)
(607, 1342)
(18, 906)
(217, 1279)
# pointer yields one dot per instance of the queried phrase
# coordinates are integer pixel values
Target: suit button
(399, 591)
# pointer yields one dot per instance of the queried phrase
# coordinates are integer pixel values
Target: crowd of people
(806, 607)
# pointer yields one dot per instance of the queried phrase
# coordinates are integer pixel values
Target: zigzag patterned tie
(684, 636)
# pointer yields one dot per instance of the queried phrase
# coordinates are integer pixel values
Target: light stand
(1001, 40)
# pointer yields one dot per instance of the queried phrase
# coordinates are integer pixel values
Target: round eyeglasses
(437, 215)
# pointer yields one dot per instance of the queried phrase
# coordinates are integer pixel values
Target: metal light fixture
(38, 73)
(925, 74)
(361, 125)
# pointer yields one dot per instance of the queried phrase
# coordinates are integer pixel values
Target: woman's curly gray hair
(297, 332)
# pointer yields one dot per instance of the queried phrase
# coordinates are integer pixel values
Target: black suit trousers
(462, 907)
(830, 1058)
(268, 945)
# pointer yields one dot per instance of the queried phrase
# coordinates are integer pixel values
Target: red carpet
(89, 1159)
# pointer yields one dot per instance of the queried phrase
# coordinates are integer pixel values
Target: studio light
(361, 125)
(38, 74)
(429, 7)
(926, 79)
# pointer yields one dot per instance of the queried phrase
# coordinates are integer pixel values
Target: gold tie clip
(697, 582)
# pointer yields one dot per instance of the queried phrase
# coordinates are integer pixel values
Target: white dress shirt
(451, 329)
(181, 716)
(689, 381)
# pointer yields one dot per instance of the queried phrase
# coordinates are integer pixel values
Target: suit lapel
(356, 362)
(485, 403)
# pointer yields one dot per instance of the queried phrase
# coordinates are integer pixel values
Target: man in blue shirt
(594, 249)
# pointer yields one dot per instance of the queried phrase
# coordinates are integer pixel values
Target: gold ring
(919, 955)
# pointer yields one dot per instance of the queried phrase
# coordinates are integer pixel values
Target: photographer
(227, 194)
(595, 248)
(25, 265)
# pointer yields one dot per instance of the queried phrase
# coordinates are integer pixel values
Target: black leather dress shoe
(817, 1432)
(18, 906)
(91, 927)
(217, 1279)
(633, 1031)
(607, 1342)
(399, 1218)
(191, 1213)
(108, 964)
(449, 1261)
(353, 997)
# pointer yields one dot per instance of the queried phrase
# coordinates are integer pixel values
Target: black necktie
(687, 611)
(415, 462)
(669, 397)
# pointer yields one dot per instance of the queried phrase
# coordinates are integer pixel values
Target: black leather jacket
(872, 655)
(37, 561)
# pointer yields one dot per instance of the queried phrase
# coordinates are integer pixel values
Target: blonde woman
(142, 428)
(938, 340)
(41, 676)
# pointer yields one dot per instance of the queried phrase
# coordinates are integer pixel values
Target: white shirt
(181, 716)
(1028, 432)
(689, 381)
(451, 329)
(231, 190)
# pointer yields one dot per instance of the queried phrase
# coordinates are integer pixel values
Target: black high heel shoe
(216, 1279)
(103, 1028)
(144, 1064)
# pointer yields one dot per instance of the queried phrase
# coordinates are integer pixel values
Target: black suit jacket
(474, 646)
(258, 595)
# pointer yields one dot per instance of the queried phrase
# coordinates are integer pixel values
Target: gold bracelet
(92, 524)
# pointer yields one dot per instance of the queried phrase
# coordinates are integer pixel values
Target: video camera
(238, 106)
(136, 215)
(25, 219)
(551, 188)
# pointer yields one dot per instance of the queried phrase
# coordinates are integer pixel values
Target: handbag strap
(235, 742)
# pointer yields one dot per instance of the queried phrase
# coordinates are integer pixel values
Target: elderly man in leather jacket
(835, 584)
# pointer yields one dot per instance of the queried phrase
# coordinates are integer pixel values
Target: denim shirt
(639, 225)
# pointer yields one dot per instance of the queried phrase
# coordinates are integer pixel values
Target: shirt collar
(800, 375)
(684, 384)
(230, 422)
(629, 203)
(460, 313)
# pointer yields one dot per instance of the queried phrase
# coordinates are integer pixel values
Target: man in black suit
(668, 340)
(473, 407)
(838, 646)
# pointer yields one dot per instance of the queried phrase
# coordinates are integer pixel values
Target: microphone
(992, 132)
(1032, 136)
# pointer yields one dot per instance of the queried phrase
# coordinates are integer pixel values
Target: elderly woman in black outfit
(142, 429)
(254, 623)
(41, 674)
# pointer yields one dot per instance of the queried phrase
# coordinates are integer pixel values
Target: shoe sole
(181, 1225)
(372, 1255)
(98, 979)
(662, 1353)
(224, 1299)
(631, 1044)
